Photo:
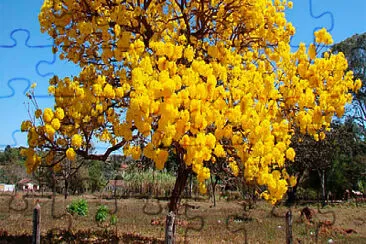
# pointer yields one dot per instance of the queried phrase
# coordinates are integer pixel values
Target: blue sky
(29, 58)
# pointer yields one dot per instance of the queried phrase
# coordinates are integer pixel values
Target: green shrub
(113, 219)
(78, 207)
(102, 214)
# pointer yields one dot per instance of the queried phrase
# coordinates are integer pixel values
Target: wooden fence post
(289, 227)
(36, 237)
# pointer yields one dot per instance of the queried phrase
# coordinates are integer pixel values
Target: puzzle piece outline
(37, 65)
(311, 13)
(242, 228)
(199, 217)
(14, 139)
(26, 44)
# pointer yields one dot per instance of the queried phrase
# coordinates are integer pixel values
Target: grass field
(225, 223)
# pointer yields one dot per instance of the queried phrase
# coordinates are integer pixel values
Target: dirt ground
(198, 221)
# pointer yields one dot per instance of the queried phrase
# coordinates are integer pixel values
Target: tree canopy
(354, 49)
(205, 79)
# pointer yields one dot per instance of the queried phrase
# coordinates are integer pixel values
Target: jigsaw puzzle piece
(307, 18)
(14, 107)
(234, 225)
(15, 137)
(8, 90)
(25, 51)
(348, 17)
(196, 223)
(26, 41)
(20, 58)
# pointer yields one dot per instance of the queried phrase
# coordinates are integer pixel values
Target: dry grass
(198, 225)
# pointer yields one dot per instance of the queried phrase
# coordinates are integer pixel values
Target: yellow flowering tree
(205, 79)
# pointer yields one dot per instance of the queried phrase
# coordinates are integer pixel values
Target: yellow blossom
(56, 123)
(76, 140)
(38, 113)
(48, 115)
(70, 154)
(205, 92)
(51, 89)
(59, 113)
(290, 154)
(26, 125)
(293, 181)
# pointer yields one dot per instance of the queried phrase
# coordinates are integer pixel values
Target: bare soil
(142, 221)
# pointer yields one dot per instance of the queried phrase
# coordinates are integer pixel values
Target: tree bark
(321, 174)
(291, 196)
(66, 188)
(36, 235)
(190, 185)
(213, 186)
(289, 239)
(323, 187)
(180, 183)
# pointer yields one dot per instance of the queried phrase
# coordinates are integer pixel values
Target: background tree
(11, 155)
(341, 151)
(205, 79)
(312, 155)
(349, 150)
(335, 160)
(354, 49)
(95, 171)
(11, 165)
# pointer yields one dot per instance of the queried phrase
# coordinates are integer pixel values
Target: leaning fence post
(36, 237)
(289, 227)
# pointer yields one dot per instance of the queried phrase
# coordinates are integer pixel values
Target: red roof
(116, 182)
(124, 166)
(24, 181)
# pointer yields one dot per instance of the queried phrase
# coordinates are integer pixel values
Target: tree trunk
(179, 186)
(36, 235)
(213, 186)
(291, 196)
(323, 187)
(190, 185)
(66, 188)
(289, 239)
(322, 182)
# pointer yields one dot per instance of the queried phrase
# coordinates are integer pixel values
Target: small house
(115, 185)
(7, 188)
(27, 185)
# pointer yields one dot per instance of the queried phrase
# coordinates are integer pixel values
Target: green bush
(113, 219)
(78, 207)
(102, 213)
